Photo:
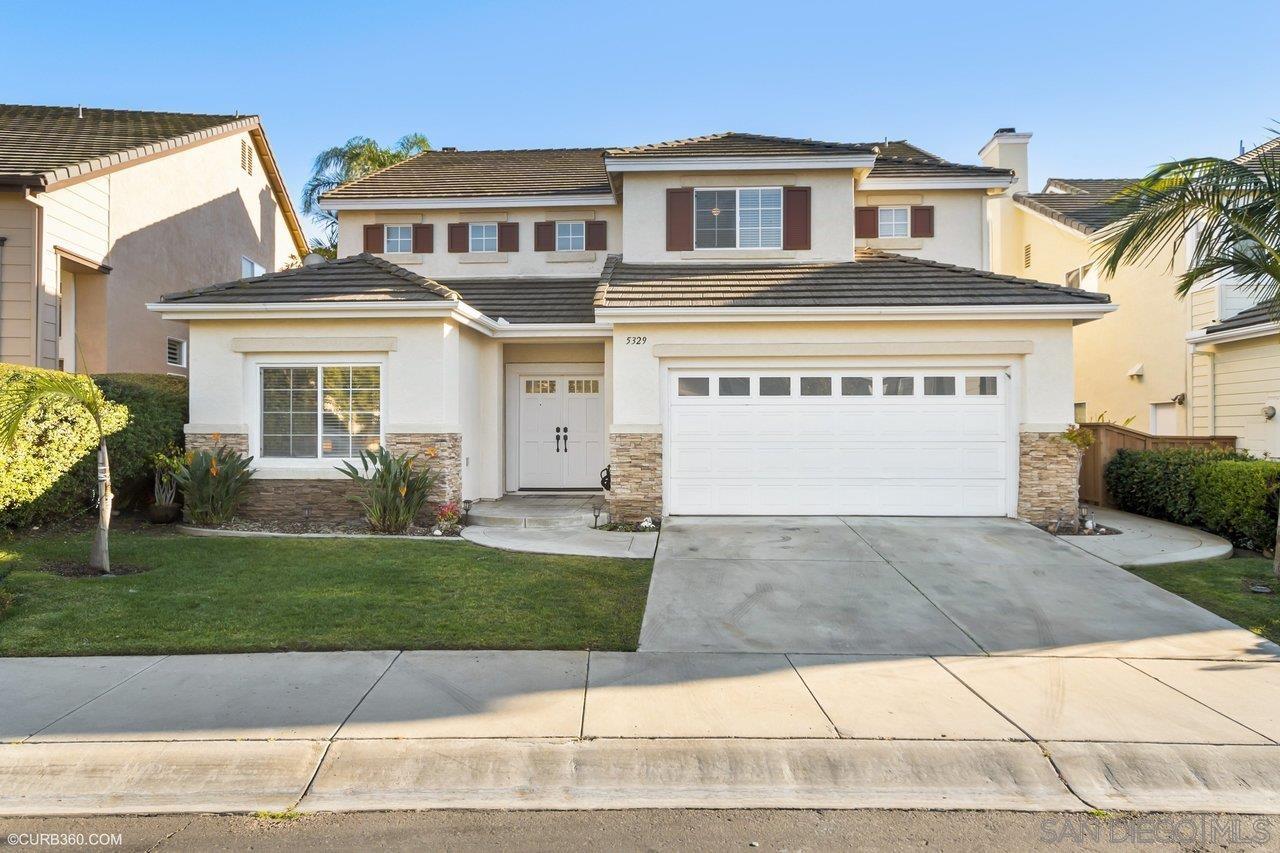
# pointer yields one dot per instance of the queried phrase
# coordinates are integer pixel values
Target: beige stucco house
(730, 324)
(1152, 363)
(102, 211)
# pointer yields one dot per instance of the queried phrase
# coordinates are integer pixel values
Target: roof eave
(457, 202)
(1055, 217)
(954, 183)
(1208, 337)
(1089, 311)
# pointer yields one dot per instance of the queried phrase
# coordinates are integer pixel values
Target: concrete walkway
(415, 730)
(576, 541)
(1149, 542)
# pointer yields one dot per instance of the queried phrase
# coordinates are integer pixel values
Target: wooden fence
(1108, 438)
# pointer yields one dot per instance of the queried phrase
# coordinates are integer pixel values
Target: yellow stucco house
(1169, 366)
(102, 211)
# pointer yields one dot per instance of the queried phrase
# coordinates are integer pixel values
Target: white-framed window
(894, 222)
(175, 352)
(483, 237)
(399, 238)
(320, 411)
(743, 218)
(1076, 277)
(250, 268)
(571, 236)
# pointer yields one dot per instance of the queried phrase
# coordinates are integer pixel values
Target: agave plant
(213, 484)
(394, 489)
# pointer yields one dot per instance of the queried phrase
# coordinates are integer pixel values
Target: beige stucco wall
(1149, 327)
(179, 221)
(18, 225)
(441, 263)
(959, 225)
(1044, 384)
(1240, 378)
(644, 214)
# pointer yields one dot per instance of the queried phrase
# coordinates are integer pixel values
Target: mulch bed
(72, 569)
(323, 528)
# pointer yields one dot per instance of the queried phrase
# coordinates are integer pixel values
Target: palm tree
(357, 157)
(1226, 211)
(19, 399)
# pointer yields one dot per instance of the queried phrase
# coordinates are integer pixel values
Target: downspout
(1213, 392)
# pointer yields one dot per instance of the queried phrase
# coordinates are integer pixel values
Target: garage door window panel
(981, 386)
(939, 386)
(856, 386)
(735, 386)
(775, 386)
(899, 386)
(693, 386)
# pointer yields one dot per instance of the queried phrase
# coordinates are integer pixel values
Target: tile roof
(1269, 150)
(1254, 316)
(1085, 204)
(875, 279)
(359, 278)
(900, 159)
(465, 174)
(530, 300)
(39, 145)
(733, 144)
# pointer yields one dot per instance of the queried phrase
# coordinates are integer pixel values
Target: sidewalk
(347, 731)
(1146, 541)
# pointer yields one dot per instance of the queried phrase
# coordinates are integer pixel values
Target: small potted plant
(165, 510)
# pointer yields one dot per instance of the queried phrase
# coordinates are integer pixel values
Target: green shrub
(213, 484)
(1237, 500)
(394, 489)
(1160, 483)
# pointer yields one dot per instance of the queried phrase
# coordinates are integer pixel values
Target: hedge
(51, 472)
(1237, 500)
(1223, 491)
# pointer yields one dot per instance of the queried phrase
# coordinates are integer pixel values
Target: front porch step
(542, 512)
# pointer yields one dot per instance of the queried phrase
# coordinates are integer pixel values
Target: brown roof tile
(358, 278)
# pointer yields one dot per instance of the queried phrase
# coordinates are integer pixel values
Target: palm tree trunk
(99, 557)
(1275, 551)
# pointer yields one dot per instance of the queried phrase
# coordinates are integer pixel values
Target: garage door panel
(896, 455)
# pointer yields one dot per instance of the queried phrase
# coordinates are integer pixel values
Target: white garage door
(822, 442)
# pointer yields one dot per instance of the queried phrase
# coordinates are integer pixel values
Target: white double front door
(561, 431)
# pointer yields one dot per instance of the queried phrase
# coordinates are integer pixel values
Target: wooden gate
(1108, 438)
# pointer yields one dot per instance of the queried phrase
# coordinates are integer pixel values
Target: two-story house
(103, 211)
(1204, 365)
(730, 324)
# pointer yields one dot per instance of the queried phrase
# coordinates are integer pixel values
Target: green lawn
(1216, 585)
(241, 595)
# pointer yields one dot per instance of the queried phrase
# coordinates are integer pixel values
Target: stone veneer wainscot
(635, 468)
(1048, 477)
(330, 500)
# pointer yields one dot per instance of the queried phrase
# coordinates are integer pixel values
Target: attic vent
(1026, 256)
(246, 156)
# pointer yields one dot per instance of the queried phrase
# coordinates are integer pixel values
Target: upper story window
(1076, 277)
(399, 238)
(250, 268)
(571, 236)
(483, 237)
(895, 222)
(747, 218)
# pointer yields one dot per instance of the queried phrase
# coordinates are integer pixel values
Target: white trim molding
(1203, 337)
(467, 202)
(959, 183)
(823, 314)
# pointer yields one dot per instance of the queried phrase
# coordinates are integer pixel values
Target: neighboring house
(715, 319)
(1137, 365)
(102, 211)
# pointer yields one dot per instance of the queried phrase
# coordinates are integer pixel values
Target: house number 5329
(636, 340)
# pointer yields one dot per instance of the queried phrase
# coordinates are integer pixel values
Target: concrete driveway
(913, 586)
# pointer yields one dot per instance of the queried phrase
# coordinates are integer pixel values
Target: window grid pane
(939, 386)
(693, 386)
(980, 386)
(571, 236)
(894, 222)
(899, 386)
(289, 412)
(715, 219)
(351, 418)
(484, 237)
(539, 386)
(584, 386)
(399, 238)
(775, 386)
(760, 218)
(855, 386)
(815, 386)
(735, 386)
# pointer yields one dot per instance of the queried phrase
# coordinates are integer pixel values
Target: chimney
(1007, 149)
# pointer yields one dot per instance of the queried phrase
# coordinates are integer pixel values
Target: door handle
(566, 439)
(558, 440)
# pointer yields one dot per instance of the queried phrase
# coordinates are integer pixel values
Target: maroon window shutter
(866, 222)
(423, 239)
(544, 236)
(795, 218)
(679, 220)
(458, 236)
(597, 237)
(922, 221)
(374, 238)
(508, 236)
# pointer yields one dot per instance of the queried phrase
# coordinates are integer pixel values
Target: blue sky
(1108, 88)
